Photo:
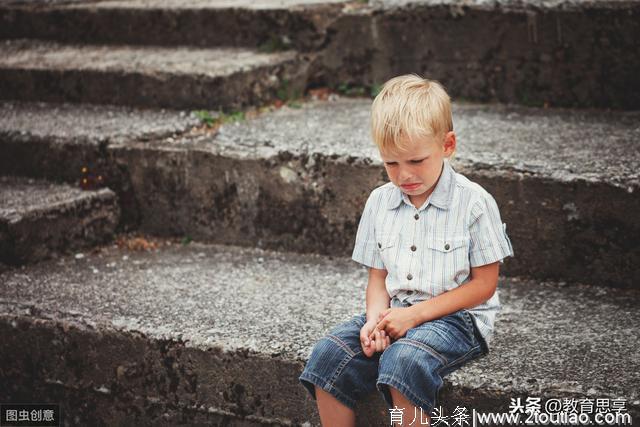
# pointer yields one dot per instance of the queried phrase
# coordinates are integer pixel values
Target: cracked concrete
(296, 179)
(187, 77)
(251, 308)
(40, 219)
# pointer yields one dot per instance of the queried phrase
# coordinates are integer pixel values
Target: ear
(449, 143)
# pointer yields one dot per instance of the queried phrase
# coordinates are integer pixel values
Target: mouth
(410, 186)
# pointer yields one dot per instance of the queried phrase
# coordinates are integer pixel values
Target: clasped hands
(391, 324)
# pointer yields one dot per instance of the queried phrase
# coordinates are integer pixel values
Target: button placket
(413, 248)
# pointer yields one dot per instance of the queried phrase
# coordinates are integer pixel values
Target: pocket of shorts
(359, 320)
(468, 320)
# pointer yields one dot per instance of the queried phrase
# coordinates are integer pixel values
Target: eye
(418, 161)
(391, 163)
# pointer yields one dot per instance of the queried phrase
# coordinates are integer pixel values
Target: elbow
(490, 288)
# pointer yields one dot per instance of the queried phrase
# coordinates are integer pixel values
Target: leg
(411, 370)
(332, 412)
(408, 410)
(338, 374)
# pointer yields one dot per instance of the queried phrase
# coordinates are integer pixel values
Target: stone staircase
(39, 219)
(216, 331)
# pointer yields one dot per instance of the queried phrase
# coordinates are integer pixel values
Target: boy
(433, 241)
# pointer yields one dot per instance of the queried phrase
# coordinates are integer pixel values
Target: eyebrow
(409, 160)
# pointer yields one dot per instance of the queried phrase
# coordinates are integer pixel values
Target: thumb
(364, 334)
(383, 313)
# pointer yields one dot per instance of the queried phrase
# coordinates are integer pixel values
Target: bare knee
(332, 411)
(411, 415)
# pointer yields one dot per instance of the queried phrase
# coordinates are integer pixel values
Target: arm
(377, 296)
(377, 302)
(481, 287)
(483, 283)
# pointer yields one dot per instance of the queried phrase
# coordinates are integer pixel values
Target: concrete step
(196, 333)
(177, 77)
(297, 179)
(39, 219)
(531, 52)
(55, 141)
(269, 24)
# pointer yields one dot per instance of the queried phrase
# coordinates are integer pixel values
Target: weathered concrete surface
(100, 123)
(297, 180)
(39, 219)
(184, 77)
(532, 52)
(269, 24)
(513, 4)
(527, 52)
(227, 328)
(55, 141)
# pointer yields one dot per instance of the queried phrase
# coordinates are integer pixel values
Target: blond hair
(409, 106)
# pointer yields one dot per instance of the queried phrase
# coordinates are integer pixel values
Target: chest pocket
(388, 249)
(447, 260)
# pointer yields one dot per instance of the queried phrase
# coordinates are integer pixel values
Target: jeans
(414, 364)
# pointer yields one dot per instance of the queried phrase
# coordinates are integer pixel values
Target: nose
(404, 174)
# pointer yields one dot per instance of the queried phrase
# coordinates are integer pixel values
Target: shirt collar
(441, 196)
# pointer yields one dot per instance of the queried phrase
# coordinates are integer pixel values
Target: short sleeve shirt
(430, 250)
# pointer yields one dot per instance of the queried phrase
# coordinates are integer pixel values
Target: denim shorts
(414, 364)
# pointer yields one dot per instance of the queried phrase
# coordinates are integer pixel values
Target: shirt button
(413, 248)
(446, 246)
(416, 216)
(409, 276)
(379, 244)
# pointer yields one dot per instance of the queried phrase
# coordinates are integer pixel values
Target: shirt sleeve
(365, 250)
(489, 240)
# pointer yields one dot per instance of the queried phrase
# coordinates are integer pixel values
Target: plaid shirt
(431, 250)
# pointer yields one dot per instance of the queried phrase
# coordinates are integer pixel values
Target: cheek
(391, 173)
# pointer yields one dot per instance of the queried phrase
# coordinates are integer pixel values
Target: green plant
(348, 90)
(219, 118)
(186, 240)
(375, 89)
(205, 117)
(286, 93)
(236, 116)
(274, 44)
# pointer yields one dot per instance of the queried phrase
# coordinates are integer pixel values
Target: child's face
(416, 171)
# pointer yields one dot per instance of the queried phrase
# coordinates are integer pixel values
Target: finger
(368, 351)
(373, 333)
(379, 327)
(365, 336)
(364, 339)
(385, 343)
(379, 341)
